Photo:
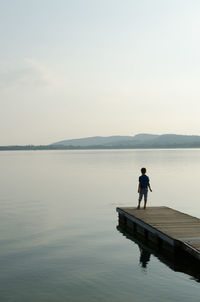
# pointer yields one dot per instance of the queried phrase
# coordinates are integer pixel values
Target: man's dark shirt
(144, 181)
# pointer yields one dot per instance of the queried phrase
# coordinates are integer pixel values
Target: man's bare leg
(145, 202)
(139, 201)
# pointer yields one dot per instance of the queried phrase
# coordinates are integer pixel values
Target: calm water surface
(58, 225)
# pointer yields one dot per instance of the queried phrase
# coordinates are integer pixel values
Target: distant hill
(95, 140)
(138, 141)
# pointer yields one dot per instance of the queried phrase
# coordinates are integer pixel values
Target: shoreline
(53, 148)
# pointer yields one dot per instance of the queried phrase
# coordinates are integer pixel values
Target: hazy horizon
(73, 69)
(85, 137)
(100, 136)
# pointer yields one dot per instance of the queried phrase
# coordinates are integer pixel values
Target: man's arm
(149, 187)
(139, 187)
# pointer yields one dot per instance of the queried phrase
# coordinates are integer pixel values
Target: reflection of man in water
(144, 257)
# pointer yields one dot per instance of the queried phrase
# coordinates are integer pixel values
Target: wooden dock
(168, 228)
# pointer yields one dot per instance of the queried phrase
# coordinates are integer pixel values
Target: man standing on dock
(143, 186)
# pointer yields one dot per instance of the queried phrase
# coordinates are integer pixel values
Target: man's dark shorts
(143, 192)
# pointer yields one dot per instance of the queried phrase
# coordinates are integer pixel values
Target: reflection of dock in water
(172, 236)
(174, 260)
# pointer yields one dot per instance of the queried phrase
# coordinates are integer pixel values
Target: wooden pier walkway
(164, 226)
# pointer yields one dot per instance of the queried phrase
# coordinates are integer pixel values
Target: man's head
(143, 170)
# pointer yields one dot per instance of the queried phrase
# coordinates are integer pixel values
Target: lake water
(58, 225)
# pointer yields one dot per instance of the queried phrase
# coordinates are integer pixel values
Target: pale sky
(80, 68)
